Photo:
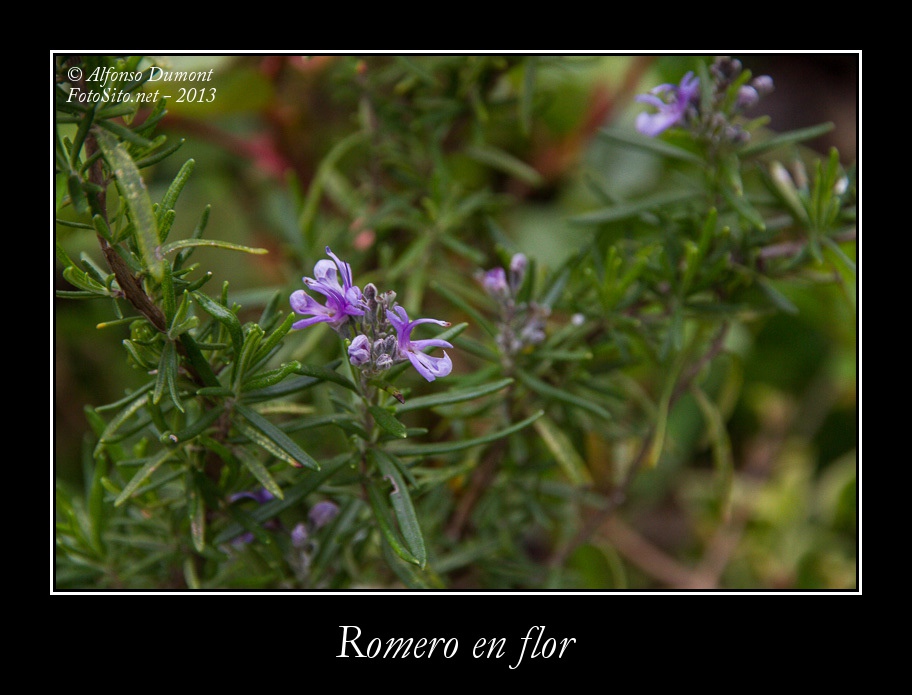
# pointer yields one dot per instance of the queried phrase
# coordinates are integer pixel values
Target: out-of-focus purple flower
(747, 96)
(518, 263)
(299, 535)
(429, 367)
(763, 84)
(494, 282)
(671, 102)
(322, 513)
(343, 299)
(359, 351)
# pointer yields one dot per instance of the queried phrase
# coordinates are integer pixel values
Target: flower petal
(431, 367)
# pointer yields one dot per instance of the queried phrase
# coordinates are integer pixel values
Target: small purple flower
(518, 263)
(494, 282)
(299, 535)
(359, 351)
(747, 97)
(763, 84)
(342, 299)
(429, 367)
(322, 513)
(672, 102)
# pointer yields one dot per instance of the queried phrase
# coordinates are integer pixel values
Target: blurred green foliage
(421, 171)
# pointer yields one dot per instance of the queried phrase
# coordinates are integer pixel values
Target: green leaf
(326, 374)
(274, 440)
(244, 361)
(196, 513)
(132, 408)
(96, 506)
(505, 162)
(314, 193)
(284, 388)
(81, 133)
(259, 471)
(632, 208)
(124, 133)
(744, 208)
(721, 445)
(648, 144)
(385, 522)
(776, 297)
(408, 573)
(165, 222)
(225, 316)
(159, 155)
(166, 379)
(133, 190)
(551, 392)
(177, 185)
(274, 338)
(197, 427)
(270, 378)
(788, 138)
(460, 445)
(142, 474)
(453, 396)
(81, 279)
(461, 303)
(402, 505)
(187, 243)
(839, 253)
(388, 422)
(288, 386)
(557, 442)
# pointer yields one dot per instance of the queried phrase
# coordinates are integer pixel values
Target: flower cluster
(715, 120)
(521, 323)
(379, 330)
(673, 103)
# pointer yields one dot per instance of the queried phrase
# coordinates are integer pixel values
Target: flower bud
(359, 350)
(763, 84)
(494, 282)
(299, 535)
(390, 345)
(322, 513)
(747, 97)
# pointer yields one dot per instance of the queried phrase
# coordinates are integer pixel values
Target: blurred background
(794, 421)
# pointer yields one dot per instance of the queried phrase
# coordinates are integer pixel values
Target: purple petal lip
(429, 367)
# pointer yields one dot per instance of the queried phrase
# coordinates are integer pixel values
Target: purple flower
(322, 513)
(494, 282)
(359, 351)
(672, 102)
(299, 535)
(747, 97)
(342, 299)
(518, 263)
(763, 84)
(429, 367)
